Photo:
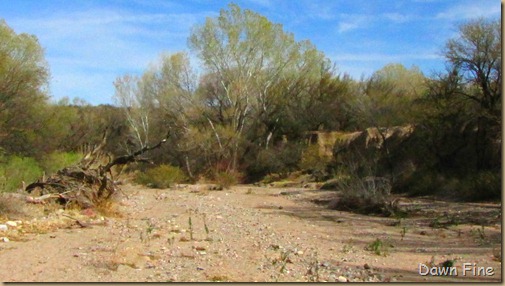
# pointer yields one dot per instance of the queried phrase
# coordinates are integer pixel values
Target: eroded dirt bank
(254, 234)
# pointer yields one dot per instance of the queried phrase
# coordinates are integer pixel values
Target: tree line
(247, 109)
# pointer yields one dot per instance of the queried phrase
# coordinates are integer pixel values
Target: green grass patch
(14, 170)
(59, 160)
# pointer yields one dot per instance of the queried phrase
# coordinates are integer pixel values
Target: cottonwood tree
(388, 96)
(173, 83)
(133, 95)
(23, 90)
(161, 101)
(247, 56)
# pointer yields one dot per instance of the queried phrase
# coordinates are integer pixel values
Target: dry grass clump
(109, 209)
(8, 207)
(368, 195)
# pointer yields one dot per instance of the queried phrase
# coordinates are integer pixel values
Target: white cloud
(87, 50)
(397, 17)
(264, 3)
(470, 10)
(352, 22)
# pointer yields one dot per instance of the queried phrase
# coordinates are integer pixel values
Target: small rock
(4, 239)
(88, 212)
(299, 252)
(342, 279)
(3, 227)
(11, 223)
(366, 266)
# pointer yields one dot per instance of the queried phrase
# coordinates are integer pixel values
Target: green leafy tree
(247, 56)
(467, 99)
(388, 96)
(475, 58)
(23, 82)
(461, 120)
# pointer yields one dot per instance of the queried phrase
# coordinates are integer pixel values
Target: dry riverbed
(249, 233)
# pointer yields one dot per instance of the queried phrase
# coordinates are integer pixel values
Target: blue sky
(89, 43)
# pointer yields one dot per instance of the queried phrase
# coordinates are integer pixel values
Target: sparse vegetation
(379, 247)
(161, 177)
(227, 179)
(256, 110)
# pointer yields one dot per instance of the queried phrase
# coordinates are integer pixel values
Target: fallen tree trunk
(85, 184)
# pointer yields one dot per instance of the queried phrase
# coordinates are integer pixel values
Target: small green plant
(403, 232)
(206, 228)
(379, 247)
(347, 248)
(283, 260)
(480, 234)
(313, 269)
(146, 237)
(190, 223)
(162, 176)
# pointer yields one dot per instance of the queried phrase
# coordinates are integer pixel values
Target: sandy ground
(248, 233)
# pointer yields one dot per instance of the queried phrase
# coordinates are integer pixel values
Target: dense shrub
(477, 186)
(484, 185)
(227, 179)
(276, 160)
(162, 176)
(314, 163)
(14, 170)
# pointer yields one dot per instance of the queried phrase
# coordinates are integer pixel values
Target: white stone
(3, 227)
(11, 223)
(4, 239)
(342, 279)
